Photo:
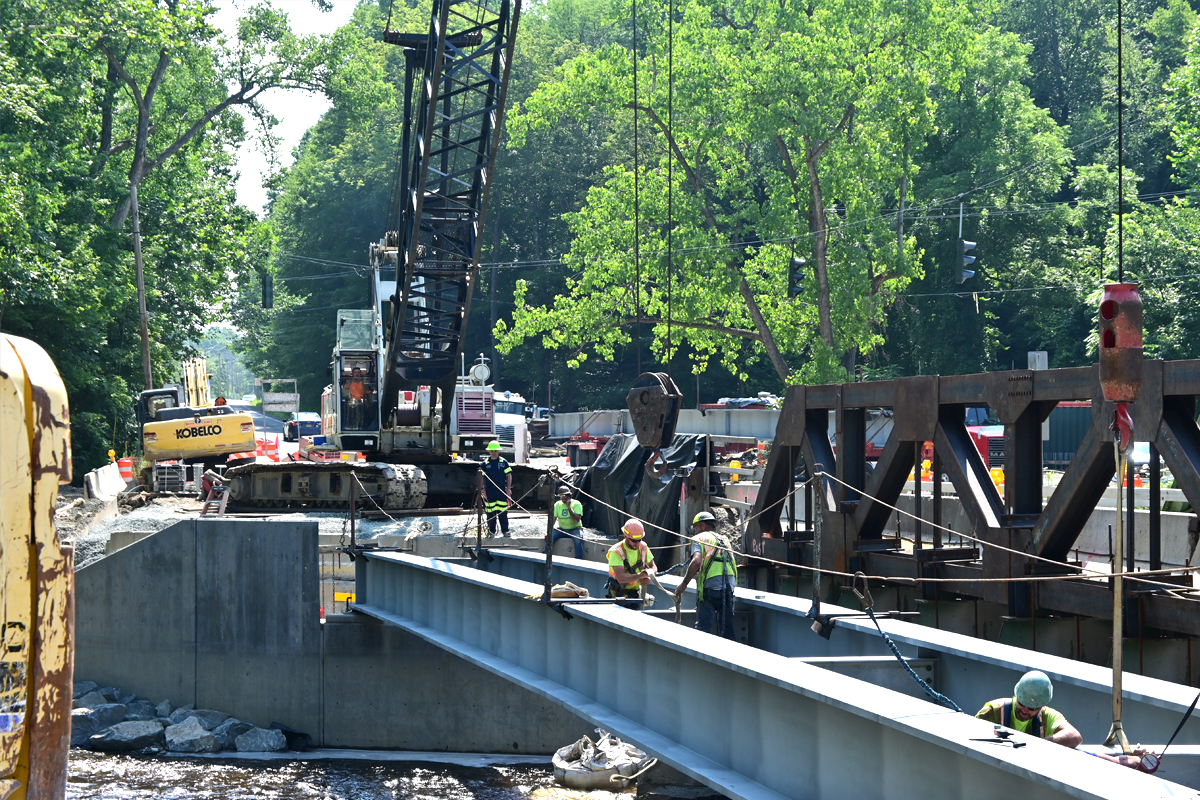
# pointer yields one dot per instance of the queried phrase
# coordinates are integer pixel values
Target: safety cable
(1082, 571)
(909, 580)
(868, 604)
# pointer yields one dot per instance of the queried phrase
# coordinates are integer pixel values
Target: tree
(777, 107)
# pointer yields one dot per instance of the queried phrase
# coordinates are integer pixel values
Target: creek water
(134, 777)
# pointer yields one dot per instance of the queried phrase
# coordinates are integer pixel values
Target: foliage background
(1013, 114)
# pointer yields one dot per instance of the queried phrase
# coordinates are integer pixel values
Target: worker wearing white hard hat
(630, 562)
(1028, 711)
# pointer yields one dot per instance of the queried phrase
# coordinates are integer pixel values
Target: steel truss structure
(932, 409)
(448, 150)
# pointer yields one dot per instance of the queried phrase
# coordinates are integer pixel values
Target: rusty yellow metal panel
(187, 438)
(37, 576)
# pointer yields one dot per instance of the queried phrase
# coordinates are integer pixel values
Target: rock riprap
(190, 736)
(110, 719)
(261, 740)
(126, 737)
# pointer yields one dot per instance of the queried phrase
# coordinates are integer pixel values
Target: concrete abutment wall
(225, 614)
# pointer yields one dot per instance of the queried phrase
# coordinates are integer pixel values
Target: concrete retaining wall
(225, 614)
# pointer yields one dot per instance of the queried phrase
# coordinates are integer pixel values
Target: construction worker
(495, 482)
(355, 393)
(630, 562)
(568, 520)
(1026, 711)
(713, 561)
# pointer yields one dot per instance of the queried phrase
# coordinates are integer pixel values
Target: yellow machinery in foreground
(184, 422)
(37, 578)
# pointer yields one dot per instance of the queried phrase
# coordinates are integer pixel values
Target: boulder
(209, 718)
(90, 700)
(296, 740)
(228, 731)
(126, 697)
(163, 709)
(127, 736)
(106, 715)
(260, 740)
(180, 714)
(190, 736)
(83, 726)
(112, 693)
(84, 687)
(140, 709)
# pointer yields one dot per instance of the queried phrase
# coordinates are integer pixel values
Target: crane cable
(637, 228)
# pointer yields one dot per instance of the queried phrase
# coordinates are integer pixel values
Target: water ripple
(96, 776)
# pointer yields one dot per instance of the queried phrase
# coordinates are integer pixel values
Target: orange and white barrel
(272, 449)
(126, 467)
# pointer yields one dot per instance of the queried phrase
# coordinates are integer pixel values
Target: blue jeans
(716, 607)
(559, 533)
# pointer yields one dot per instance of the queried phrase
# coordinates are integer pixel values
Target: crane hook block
(1121, 343)
(654, 403)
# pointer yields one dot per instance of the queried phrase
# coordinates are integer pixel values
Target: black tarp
(619, 478)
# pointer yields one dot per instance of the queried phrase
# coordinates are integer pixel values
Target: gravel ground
(153, 517)
(166, 511)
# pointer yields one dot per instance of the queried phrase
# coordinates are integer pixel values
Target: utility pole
(143, 319)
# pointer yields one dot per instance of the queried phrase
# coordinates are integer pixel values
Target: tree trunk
(817, 226)
(143, 317)
(768, 341)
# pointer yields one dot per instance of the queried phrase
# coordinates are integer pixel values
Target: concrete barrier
(104, 483)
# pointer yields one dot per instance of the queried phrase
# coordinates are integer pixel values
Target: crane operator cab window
(360, 406)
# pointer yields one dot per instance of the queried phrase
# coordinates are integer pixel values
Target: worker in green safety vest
(713, 563)
(1027, 711)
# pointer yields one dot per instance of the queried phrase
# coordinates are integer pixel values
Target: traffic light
(796, 277)
(268, 289)
(965, 260)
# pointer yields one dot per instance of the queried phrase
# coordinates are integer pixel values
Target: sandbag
(588, 765)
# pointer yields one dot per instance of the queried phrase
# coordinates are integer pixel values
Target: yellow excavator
(184, 421)
(37, 577)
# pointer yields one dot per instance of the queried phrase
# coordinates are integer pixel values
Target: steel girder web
(455, 133)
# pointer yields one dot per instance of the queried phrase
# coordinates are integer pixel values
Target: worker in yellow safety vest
(715, 571)
(630, 562)
(1027, 711)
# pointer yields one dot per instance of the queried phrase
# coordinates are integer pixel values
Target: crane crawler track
(312, 485)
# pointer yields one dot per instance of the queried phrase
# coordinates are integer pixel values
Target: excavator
(398, 394)
(185, 422)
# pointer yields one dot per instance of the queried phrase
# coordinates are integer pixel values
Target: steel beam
(1076, 495)
(972, 671)
(748, 723)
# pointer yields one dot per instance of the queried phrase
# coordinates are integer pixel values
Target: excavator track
(313, 485)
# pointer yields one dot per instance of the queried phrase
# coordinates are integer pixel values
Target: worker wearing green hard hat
(1028, 711)
(495, 485)
(715, 570)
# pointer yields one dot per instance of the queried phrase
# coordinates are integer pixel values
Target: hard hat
(564, 489)
(704, 516)
(633, 529)
(1033, 690)
(493, 446)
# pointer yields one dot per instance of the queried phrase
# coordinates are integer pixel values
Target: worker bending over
(1027, 711)
(713, 561)
(495, 481)
(568, 520)
(630, 563)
